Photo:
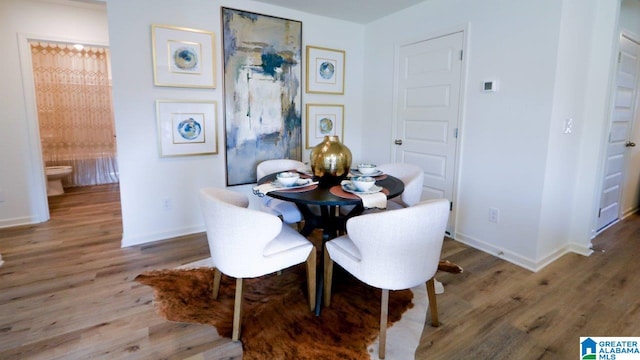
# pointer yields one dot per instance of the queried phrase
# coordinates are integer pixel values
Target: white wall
(145, 178)
(513, 157)
(582, 93)
(22, 192)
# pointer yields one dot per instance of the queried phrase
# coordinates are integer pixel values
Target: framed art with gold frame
(183, 57)
(187, 127)
(262, 94)
(325, 70)
(324, 120)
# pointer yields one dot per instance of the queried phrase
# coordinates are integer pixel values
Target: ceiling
(358, 11)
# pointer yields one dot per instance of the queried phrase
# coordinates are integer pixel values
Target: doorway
(39, 190)
(427, 111)
(621, 178)
(75, 112)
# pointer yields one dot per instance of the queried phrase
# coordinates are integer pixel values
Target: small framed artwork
(324, 120)
(187, 128)
(183, 57)
(325, 70)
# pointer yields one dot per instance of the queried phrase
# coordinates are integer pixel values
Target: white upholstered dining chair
(247, 243)
(391, 250)
(286, 210)
(413, 178)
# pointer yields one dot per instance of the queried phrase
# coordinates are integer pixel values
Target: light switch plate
(568, 124)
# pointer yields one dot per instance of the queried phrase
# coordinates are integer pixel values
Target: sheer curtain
(75, 113)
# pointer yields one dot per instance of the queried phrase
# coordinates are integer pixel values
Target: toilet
(54, 178)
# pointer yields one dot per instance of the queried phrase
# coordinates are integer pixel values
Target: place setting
(366, 169)
(289, 181)
(363, 186)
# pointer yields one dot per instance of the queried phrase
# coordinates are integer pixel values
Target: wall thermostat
(490, 86)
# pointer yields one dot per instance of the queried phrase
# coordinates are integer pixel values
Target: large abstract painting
(262, 91)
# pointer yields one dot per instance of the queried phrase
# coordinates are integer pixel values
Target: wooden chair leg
(384, 314)
(433, 305)
(328, 277)
(237, 311)
(311, 278)
(216, 282)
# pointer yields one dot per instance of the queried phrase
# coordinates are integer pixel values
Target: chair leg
(216, 282)
(384, 314)
(433, 305)
(311, 278)
(328, 277)
(237, 311)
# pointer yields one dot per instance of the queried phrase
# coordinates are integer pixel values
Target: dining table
(320, 207)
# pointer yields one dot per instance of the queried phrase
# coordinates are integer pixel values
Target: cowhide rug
(277, 322)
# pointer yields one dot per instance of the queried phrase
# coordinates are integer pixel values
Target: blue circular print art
(189, 129)
(326, 125)
(185, 58)
(326, 70)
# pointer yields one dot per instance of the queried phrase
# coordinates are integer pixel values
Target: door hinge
(599, 212)
(461, 54)
(619, 56)
(455, 133)
(450, 205)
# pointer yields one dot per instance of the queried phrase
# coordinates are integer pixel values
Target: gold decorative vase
(330, 161)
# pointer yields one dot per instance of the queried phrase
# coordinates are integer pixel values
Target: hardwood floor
(67, 292)
(67, 289)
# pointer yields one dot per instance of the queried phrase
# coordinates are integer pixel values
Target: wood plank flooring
(67, 292)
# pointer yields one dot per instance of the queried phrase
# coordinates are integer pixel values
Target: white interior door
(428, 79)
(621, 178)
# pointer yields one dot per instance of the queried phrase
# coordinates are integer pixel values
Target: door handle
(399, 142)
(630, 144)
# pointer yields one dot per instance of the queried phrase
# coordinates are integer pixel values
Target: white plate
(357, 172)
(300, 183)
(350, 188)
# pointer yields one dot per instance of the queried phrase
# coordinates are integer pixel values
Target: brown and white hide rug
(277, 322)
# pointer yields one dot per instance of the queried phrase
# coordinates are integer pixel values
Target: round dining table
(328, 199)
(320, 208)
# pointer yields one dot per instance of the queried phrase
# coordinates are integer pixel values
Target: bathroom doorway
(75, 102)
(72, 85)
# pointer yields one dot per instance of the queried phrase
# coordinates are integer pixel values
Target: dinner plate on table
(357, 172)
(298, 184)
(350, 188)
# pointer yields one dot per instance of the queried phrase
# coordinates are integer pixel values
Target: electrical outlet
(494, 215)
(166, 204)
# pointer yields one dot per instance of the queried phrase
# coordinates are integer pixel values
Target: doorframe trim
(465, 29)
(595, 231)
(622, 213)
(40, 201)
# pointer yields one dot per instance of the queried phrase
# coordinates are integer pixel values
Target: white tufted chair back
(288, 211)
(413, 178)
(276, 165)
(246, 243)
(391, 250)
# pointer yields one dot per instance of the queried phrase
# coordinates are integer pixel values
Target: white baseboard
(517, 259)
(27, 220)
(148, 238)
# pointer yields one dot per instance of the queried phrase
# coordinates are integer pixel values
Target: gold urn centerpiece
(330, 161)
